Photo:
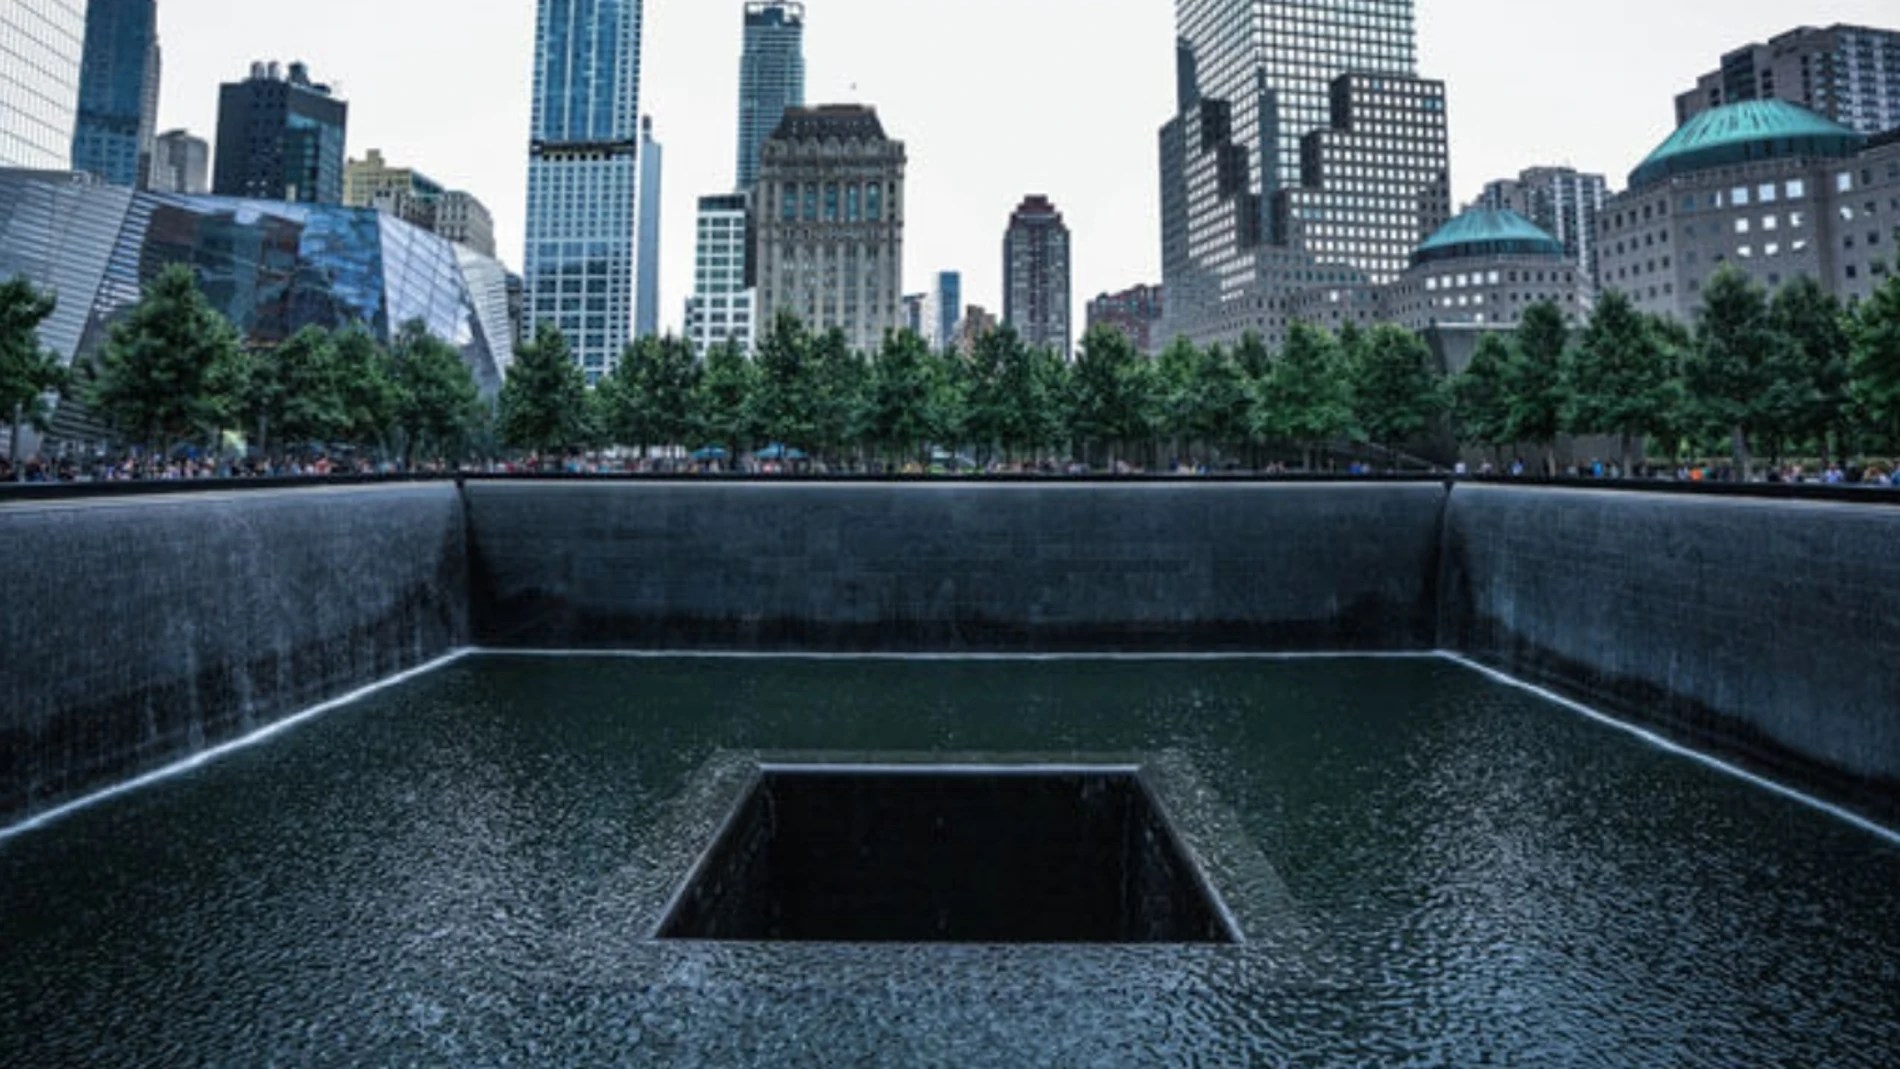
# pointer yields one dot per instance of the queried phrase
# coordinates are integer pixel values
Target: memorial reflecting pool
(1428, 868)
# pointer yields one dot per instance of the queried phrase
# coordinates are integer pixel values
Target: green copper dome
(1486, 232)
(1744, 132)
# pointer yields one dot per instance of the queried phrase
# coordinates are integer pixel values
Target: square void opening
(947, 856)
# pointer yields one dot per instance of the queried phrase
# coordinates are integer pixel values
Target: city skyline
(461, 111)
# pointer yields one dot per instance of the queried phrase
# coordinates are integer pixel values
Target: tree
(1015, 398)
(438, 401)
(1305, 398)
(1808, 372)
(949, 409)
(545, 399)
(722, 395)
(647, 399)
(900, 395)
(839, 390)
(296, 391)
(366, 377)
(1534, 380)
(1395, 395)
(1620, 379)
(28, 370)
(1729, 370)
(782, 403)
(173, 370)
(1252, 356)
(1480, 411)
(1222, 401)
(1876, 357)
(1111, 391)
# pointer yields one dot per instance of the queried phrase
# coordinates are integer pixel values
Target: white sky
(994, 98)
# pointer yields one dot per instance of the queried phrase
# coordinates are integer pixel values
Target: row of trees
(1781, 373)
(1787, 373)
(175, 371)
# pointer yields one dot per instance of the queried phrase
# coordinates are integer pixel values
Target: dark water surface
(1434, 870)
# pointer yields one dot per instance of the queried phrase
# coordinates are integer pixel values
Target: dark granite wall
(1036, 566)
(1767, 631)
(139, 630)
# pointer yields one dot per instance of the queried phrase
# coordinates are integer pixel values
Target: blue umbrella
(779, 451)
(711, 452)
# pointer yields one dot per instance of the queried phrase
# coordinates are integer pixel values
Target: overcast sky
(994, 99)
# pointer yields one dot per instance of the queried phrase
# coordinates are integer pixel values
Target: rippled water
(464, 870)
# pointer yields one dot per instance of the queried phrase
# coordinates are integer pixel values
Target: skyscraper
(721, 308)
(948, 305)
(646, 314)
(181, 163)
(1562, 202)
(1256, 81)
(771, 78)
(1850, 74)
(280, 137)
(829, 213)
(41, 47)
(1036, 288)
(582, 244)
(118, 92)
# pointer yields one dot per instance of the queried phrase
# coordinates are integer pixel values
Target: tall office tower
(721, 307)
(42, 45)
(771, 78)
(118, 92)
(583, 177)
(280, 137)
(830, 222)
(1036, 275)
(181, 163)
(1850, 74)
(1564, 203)
(948, 307)
(1253, 79)
(1376, 181)
(646, 305)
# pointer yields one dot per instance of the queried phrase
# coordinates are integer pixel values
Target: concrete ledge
(1761, 630)
(140, 631)
(956, 567)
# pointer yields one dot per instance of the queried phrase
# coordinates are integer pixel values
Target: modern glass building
(118, 92)
(42, 43)
(771, 78)
(646, 306)
(582, 249)
(722, 306)
(947, 303)
(271, 267)
(280, 137)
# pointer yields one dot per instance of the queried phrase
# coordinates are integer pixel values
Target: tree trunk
(1743, 462)
(13, 448)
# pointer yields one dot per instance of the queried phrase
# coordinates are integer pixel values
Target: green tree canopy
(1481, 413)
(1395, 395)
(1729, 371)
(900, 394)
(371, 396)
(438, 401)
(1111, 389)
(1876, 357)
(1534, 380)
(647, 400)
(1620, 380)
(784, 409)
(1306, 399)
(296, 391)
(28, 370)
(722, 399)
(173, 370)
(1808, 372)
(544, 403)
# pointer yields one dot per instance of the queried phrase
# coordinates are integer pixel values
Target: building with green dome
(1764, 186)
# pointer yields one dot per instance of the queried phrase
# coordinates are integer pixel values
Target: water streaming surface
(467, 868)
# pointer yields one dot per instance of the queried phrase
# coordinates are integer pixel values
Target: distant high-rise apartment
(646, 305)
(582, 245)
(977, 323)
(419, 200)
(917, 314)
(181, 163)
(830, 223)
(1563, 203)
(771, 78)
(465, 220)
(280, 137)
(1850, 74)
(1036, 275)
(721, 308)
(1255, 80)
(42, 45)
(118, 92)
(1136, 312)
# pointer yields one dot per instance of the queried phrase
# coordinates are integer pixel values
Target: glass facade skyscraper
(118, 92)
(41, 46)
(771, 78)
(582, 248)
(280, 137)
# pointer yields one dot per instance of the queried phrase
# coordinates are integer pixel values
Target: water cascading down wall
(139, 631)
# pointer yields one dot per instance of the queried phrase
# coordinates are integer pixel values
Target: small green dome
(1487, 232)
(1743, 132)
